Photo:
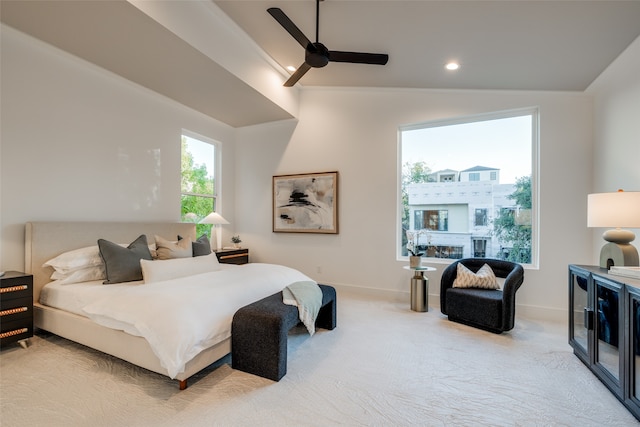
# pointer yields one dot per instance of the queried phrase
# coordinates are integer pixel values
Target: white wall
(80, 143)
(616, 160)
(354, 131)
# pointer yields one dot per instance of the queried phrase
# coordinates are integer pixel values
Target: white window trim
(535, 174)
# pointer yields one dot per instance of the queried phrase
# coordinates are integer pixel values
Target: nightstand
(232, 256)
(16, 308)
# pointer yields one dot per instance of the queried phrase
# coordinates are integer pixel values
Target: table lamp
(215, 219)
(619, 209)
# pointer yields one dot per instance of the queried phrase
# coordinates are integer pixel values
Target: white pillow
(84, 275)
(159, 270)
(81, 265)
(483, 278)
(74, 260)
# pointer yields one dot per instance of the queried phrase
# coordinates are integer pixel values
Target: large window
(199, 179)
(468, 186)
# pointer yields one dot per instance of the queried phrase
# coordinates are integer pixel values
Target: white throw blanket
(181, 317)
(307, 296)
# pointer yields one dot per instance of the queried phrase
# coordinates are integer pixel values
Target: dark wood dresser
(16, 308)
(604, 329)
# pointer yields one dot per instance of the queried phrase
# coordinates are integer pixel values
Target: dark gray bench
(259, 333)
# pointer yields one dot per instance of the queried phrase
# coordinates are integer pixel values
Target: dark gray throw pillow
(201, 247)
(123, 264)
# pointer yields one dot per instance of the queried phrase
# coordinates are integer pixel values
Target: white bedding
(181, 317)
(75, 296)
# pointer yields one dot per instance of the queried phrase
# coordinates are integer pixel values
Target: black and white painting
(306, 203)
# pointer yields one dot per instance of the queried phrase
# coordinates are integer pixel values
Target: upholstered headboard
(46, 240)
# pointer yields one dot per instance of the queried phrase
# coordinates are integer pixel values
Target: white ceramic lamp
(215, 219)
(617, 210)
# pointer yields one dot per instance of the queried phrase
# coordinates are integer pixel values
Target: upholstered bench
(259, 333)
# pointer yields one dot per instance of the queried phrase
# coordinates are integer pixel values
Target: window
(199, 179)
(481, 217)
(431, 220)
(470, 184)
(480, 248)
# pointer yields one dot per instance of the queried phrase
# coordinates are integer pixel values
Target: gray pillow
(201, 247)
(123, 264)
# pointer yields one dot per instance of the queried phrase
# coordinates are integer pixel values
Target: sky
(503, 144)
(456, 146)
(202, 153)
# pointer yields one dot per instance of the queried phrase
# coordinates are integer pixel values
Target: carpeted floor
(384, 365)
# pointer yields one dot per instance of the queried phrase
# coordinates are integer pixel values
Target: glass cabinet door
(633, 343)
(579, 313)
(609, 328)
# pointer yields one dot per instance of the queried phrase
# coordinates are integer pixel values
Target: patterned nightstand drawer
(16, 307)
(233, 256)
(16, 287)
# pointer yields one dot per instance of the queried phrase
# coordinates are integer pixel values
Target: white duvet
(181, 317)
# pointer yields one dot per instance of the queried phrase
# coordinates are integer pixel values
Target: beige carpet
(383, 366)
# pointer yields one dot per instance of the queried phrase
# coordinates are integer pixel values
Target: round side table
(419, 288)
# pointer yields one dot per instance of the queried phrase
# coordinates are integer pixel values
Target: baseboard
(542, 313)
(526, 311)
(387, 294)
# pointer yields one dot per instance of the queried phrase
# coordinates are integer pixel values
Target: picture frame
(306, 203)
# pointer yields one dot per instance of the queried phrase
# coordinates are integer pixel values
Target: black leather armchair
(492, 310)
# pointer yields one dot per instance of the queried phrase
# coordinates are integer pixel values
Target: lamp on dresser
(617, 210)
(215, 219)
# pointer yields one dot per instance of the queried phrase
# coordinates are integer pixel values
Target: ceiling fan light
(291, 68)
(452, 66)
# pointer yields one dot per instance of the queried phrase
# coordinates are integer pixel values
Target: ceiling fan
(316, 54)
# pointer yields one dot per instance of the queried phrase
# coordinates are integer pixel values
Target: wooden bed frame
(45, 240)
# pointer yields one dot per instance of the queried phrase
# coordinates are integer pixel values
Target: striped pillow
(484, 278)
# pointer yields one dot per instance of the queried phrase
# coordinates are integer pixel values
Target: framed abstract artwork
(306, 203)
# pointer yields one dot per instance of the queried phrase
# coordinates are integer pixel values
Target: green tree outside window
(197, 185)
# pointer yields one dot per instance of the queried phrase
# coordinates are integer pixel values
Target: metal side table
(419, 288)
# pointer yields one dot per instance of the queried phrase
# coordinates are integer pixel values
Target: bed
(46, 240)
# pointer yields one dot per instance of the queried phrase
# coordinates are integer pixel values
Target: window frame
(534, 113)
(217, 175)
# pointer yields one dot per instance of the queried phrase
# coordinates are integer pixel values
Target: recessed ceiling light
(452, 66)
(291, 68)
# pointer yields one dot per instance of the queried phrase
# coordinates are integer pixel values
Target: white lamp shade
(213, 218)
(620, 209)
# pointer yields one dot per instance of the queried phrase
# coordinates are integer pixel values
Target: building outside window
(469, 184)
(199, 179)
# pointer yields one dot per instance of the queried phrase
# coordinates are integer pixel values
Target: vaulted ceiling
(519, 45)
(500, 45)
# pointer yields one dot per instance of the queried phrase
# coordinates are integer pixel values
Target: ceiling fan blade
(288, 25)
(358, 57)
(297, 75)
